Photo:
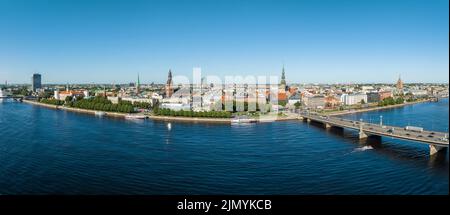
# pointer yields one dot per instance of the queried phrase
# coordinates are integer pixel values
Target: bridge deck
(11, 97)
(428, 137)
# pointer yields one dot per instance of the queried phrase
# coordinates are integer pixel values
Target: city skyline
(317, 42)
(287, 82)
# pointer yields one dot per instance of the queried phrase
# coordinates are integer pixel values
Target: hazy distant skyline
(320, 41)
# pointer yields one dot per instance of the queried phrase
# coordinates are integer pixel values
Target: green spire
(138, 85)
(138, 82)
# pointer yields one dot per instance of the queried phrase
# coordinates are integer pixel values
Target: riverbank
(345, 112)
(159, 118)
(136, 154)
(190, 119)
(78, 110)
(123, 115)
(213, 120)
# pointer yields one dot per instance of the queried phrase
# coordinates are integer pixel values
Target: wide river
(45, 151)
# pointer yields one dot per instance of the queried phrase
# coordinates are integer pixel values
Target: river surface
(46, 151)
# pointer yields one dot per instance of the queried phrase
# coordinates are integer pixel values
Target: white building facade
(352, 99)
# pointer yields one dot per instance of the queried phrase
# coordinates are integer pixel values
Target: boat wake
(364, 148)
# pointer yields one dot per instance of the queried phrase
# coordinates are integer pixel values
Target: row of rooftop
(205, 97)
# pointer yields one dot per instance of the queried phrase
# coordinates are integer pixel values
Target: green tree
(68, 99)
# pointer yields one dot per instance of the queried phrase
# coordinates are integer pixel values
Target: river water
(46, 151)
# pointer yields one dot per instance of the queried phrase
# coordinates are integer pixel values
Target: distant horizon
(288, 83)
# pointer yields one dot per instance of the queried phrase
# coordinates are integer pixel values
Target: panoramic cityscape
(126, 99)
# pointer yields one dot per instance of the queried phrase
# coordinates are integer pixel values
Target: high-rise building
(169, 85)
(36, 82)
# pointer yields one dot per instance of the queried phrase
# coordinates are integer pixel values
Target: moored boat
(100, 113)
(135, 116)
(243, 120)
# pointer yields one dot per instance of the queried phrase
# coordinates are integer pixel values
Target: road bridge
(436, 140)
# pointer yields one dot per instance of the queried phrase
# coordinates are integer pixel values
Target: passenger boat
(100, 113)
(243, 120)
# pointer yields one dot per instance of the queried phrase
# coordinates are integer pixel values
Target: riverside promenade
(162, 118)
(361, 110)
(124, 115)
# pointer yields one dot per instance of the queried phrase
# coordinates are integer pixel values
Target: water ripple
(44, 151)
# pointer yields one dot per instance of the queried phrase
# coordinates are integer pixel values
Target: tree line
(190, 113)
(101, 104)
(391, 101)
(51, 101)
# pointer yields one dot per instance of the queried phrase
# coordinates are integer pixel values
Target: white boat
(135, 116)
(243, 121)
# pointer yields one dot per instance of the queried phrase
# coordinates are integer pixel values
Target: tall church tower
(169, 85)
(283, 80)
(399, 86)
(399, 83)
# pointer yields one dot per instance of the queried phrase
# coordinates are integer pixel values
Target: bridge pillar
(308, 120)
(435, 149)
(362, 135)
(327, 125)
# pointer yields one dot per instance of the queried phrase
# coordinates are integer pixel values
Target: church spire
(169, 77)
(399, 82)
(169, 87)
(283, 77)
(138, 85)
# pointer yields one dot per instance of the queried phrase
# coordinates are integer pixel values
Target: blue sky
(320, 41)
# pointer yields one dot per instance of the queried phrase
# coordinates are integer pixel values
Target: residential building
(314, 102)
(384, 94)
(62, 95)
(294, 99)
(352, 99)
(373, 97)
(332, 101)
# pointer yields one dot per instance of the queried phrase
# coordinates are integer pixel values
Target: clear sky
(320, 41)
